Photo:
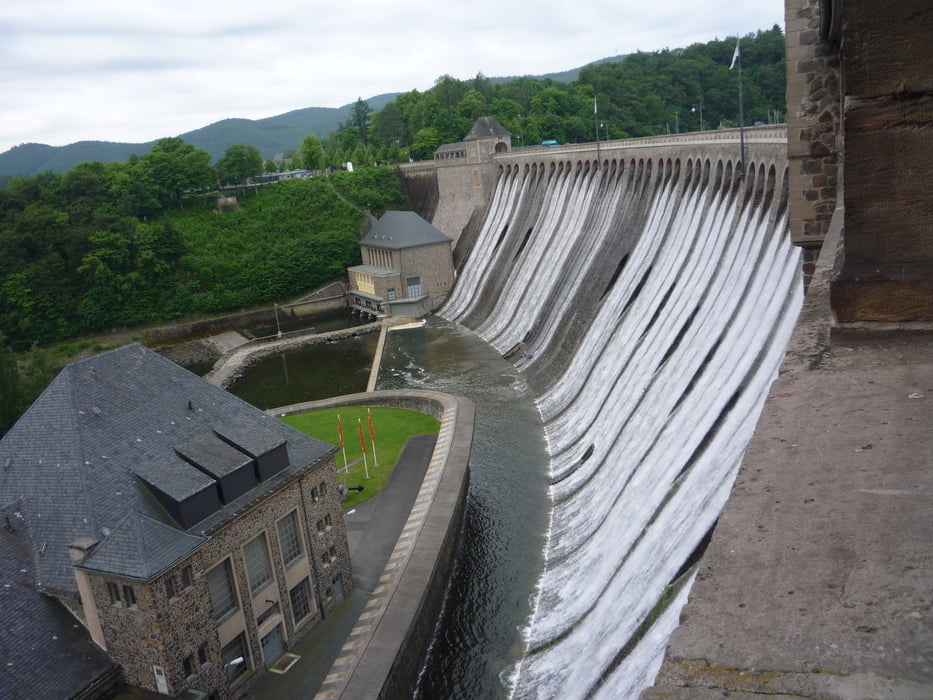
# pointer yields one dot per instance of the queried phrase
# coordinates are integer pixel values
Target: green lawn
(392, 426)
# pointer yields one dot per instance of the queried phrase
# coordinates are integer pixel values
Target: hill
(272, 135)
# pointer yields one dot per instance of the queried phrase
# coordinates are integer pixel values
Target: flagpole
(596, 119)
(741, 114)
(363, 447)
(372, 437)
(343, 446)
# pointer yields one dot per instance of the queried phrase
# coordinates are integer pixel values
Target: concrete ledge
(381, 657)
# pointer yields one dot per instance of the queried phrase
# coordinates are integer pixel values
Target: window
(113, 590)
(414, 286)
(289, 540)
(129, 596)
(301, 600)
(320, 526)
(202, 654)
(187, 578)
(234, 656)
(187, 666)
(170, 591)
(328, 521)
(220, 586)
(257, 563)
(390, 294)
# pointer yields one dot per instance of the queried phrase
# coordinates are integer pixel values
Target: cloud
(117, 71)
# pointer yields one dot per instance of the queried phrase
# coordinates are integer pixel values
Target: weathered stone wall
(463, 188)
(434, 264)
(886, 270)
(814, 125)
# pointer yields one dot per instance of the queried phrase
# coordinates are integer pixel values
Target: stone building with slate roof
(407, 267)
(194, 536)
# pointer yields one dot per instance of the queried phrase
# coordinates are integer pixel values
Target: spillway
(648, 303)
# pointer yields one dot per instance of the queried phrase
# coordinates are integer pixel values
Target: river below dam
(478, 639)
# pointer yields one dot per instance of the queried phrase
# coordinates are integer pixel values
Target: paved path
(373, 527)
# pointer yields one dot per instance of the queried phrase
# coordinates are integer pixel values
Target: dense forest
(141, 241)
(644, 95)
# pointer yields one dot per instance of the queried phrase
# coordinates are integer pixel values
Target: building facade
(407, 267)
(194, 536)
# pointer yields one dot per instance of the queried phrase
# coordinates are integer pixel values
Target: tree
(359, 118)
(12, 394)
(425, 143)
(239, 163)
(175, 167)
(312, 152)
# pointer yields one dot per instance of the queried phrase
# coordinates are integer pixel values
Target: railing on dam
(763, 145)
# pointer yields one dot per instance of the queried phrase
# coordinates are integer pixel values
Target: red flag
(372, 431)
(340, 430)
(362, 439)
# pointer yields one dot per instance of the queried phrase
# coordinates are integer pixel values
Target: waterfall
(649, 416)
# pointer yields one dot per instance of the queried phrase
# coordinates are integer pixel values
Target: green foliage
(240, 162)
(373, 189)
(96, 247)
(21, 381)
(642, 95)
(312, 153)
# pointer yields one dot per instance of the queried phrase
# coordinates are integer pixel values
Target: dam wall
(647, 290)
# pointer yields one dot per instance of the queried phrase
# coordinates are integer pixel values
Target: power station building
(194, 537)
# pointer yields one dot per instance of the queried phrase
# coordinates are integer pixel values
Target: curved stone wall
(383, 652)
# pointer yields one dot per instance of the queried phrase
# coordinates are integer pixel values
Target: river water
(478, 638)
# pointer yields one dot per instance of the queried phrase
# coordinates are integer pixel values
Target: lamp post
(699, 106)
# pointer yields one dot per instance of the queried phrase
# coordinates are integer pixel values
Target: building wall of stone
(462, 188)
(434, 265)
(814, 124)
(886, 271)
(163, 632)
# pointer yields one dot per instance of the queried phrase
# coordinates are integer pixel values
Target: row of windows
(121, 594)
(220, 581)
(329, 555)
(326, 523)
(380, 257)
(176, 584)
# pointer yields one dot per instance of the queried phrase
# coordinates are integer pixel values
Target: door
(272, 646)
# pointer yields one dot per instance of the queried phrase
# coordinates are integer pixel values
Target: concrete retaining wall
(384, 651)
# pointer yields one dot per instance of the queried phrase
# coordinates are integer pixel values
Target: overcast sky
(113, 70)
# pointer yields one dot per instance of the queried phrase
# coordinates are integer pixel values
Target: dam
(646, 290)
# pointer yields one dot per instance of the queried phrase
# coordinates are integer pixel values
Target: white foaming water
(647, 425)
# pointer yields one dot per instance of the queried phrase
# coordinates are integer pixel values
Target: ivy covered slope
(105, 246)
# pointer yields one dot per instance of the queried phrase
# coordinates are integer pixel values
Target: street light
(699, 105)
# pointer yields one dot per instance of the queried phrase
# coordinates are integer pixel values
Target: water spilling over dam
(648, 302)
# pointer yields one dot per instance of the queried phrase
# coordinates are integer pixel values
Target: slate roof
(486, 127)
(45, 652)
(402, 229)
(72, 461)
